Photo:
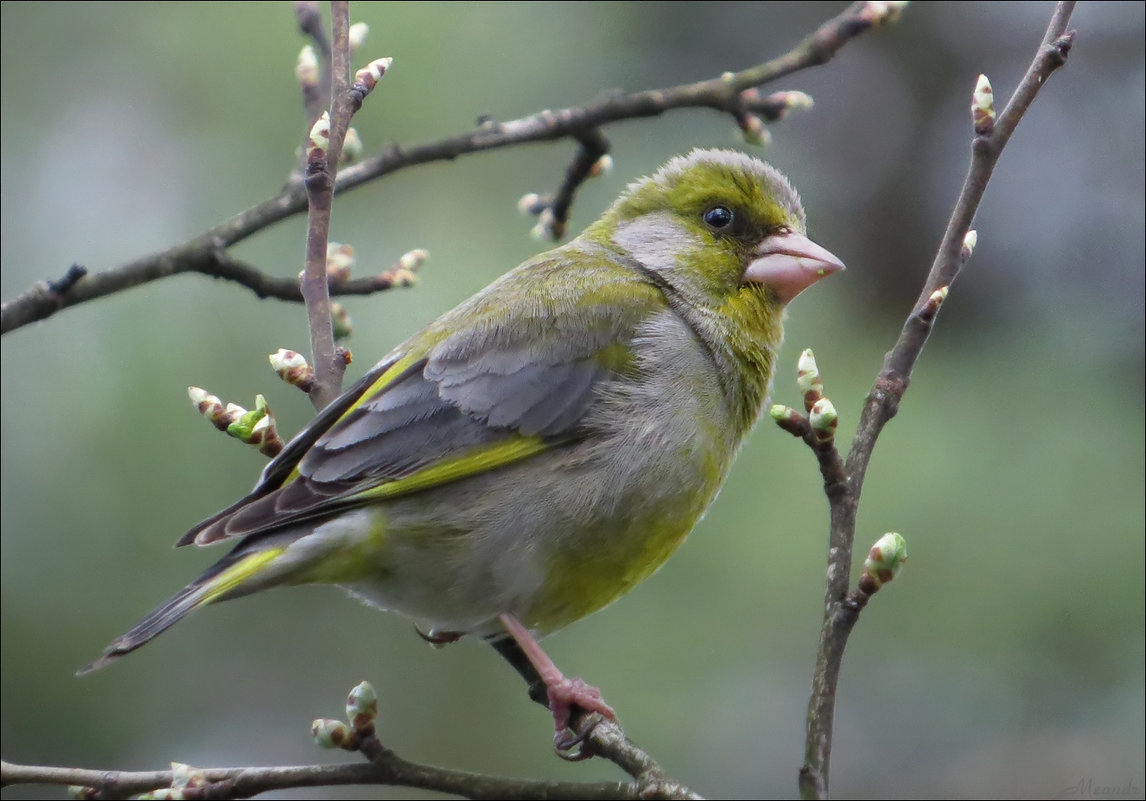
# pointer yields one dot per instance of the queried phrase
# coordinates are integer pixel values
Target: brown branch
(320, 175)
(46, 297)
(42, 300)
(386, 769)
(608, 741)
(594, 145)
(599, 737)
(842, 609)
(383, 767)
(724, 94)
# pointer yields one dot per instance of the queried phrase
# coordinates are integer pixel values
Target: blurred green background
(1006, 661)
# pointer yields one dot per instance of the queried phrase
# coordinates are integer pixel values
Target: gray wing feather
(535, 373)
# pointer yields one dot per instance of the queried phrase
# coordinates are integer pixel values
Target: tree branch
(383, 767)
(387, 769)
(319, 176)
(841, 609)
(733, 93)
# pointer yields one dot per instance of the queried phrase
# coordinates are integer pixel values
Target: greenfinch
(538, 450)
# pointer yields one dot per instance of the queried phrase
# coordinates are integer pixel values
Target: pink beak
(790, 263)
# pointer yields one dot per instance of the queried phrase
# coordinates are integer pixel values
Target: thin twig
(45, 297)
(387, 769)
(841, 612)
(594, 145)
(320, 175)
(724, 94)
(315, 89)
(603, 738)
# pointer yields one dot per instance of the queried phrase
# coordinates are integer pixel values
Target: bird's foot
(565, 697)
(577, 707)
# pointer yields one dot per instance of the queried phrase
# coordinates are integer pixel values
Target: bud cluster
(361, 711)
(254, 427)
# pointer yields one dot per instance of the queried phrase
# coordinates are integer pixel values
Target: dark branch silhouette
(732, 93)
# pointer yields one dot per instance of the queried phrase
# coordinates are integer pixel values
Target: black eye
(718, 217)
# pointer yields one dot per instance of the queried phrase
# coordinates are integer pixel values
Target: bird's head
(716, 224)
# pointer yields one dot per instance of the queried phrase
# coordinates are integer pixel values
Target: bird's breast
(560, 535)
(661, 445)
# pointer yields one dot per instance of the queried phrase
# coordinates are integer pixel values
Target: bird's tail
(240, 572)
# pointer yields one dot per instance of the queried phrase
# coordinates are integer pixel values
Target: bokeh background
(1007, 660)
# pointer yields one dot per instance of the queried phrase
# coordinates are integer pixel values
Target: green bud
(306, 70)
(234, 415)
(319, 138)
(283, 360)
(292, 367)
(932, 304)
(780, 412)
(259, 413)
(357, 35)
(330, 733)
(244, 421)
(413, 259)
(884, 561)
(792, 100)
(530, 204)
(340, 320)
(547, 228)
(210, 407)
(983, 107)
(183, 775)
(352, 147)
(808, 378)
(789, 419)
(823, 419)
(808, 373)
(400, 276)
(339, 261)
(164, 794)
(266, 436)
(368, 77)
(602, 166)
(362, 707)
(969, 243)
(754, 131)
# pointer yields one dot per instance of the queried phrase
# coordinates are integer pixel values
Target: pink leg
(564, 693)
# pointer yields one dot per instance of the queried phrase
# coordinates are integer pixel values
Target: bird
(532, 454)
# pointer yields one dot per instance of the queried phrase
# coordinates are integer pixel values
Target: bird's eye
(718, 217)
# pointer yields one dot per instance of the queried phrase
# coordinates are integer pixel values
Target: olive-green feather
(506, 373)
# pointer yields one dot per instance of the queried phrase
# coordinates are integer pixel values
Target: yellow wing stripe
(383, 381)
(239, 572)
(476, 461)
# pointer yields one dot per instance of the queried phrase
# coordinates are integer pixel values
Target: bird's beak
(790, 263)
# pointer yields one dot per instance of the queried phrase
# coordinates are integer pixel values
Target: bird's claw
(566, 696)
(567, 739)
(437, 637)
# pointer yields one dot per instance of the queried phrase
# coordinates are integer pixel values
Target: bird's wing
(507, 375)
